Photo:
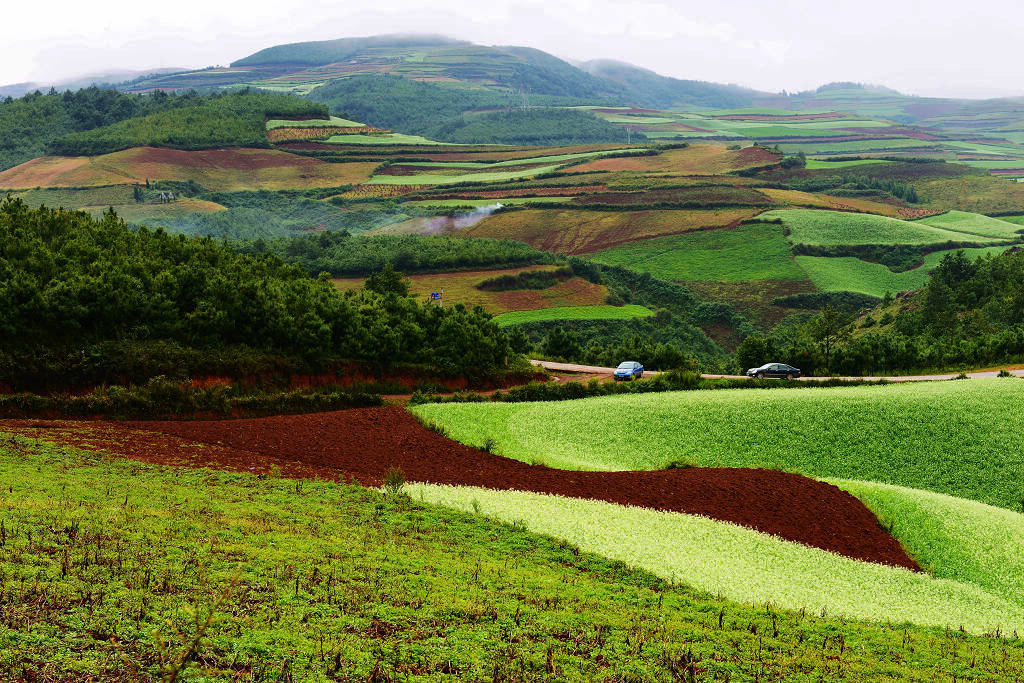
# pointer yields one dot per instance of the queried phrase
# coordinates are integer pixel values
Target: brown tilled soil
(362, 444)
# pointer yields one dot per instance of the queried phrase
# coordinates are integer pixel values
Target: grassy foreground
(742, 564)
(103, 560)
(959, 438)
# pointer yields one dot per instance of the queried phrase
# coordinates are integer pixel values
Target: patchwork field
(461, 288)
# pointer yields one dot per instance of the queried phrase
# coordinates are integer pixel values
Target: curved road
(596, 371)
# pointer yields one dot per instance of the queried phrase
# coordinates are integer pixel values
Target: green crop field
(952, 538)
(958, 438)
(848, 274)
(387, 586)
(974, 224)
(817, 227)
(574, 313)
(742, 564)
(750, 252)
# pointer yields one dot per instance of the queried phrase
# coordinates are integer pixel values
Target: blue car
(628, 370)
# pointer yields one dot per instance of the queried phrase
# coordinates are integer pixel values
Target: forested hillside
(438, 112)
(231, 119)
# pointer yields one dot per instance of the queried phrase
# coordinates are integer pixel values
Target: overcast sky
(925, 47)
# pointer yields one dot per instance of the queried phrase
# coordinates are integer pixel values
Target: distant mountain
(650, 89)
(107, 78)
(320, 52)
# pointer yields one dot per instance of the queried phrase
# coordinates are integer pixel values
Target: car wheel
(759, 375)
(789, 376)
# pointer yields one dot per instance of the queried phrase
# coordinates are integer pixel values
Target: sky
(921, 47)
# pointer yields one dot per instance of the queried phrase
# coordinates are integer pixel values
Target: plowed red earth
(363, 444)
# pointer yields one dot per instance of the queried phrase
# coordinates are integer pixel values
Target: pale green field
(961, 438)
(952, 538)
(333, 122)
(974, 224)
(434, 179)
(739, 563)
(573, 313)
(848, 274)
(829, 228)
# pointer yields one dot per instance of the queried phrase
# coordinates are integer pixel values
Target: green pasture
(960, 438)
(390, 588)
(848, 274)
(833, 228)
(438, 179)
(974, 224)
(756, 251)
(739, 563)
(573, 313)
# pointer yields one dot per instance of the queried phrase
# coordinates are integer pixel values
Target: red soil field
(362, 444)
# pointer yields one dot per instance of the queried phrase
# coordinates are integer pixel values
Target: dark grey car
(780, 370)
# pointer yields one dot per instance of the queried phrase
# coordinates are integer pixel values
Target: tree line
(69, 282)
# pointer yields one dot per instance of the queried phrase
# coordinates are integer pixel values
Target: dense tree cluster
(68, 281)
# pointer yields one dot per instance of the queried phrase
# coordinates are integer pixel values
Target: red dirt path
(363, 444)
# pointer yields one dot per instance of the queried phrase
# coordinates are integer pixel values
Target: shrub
(394, 481)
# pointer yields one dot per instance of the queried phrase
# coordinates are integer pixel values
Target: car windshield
(625, 366)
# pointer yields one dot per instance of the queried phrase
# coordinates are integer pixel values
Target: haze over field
(949, 50)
